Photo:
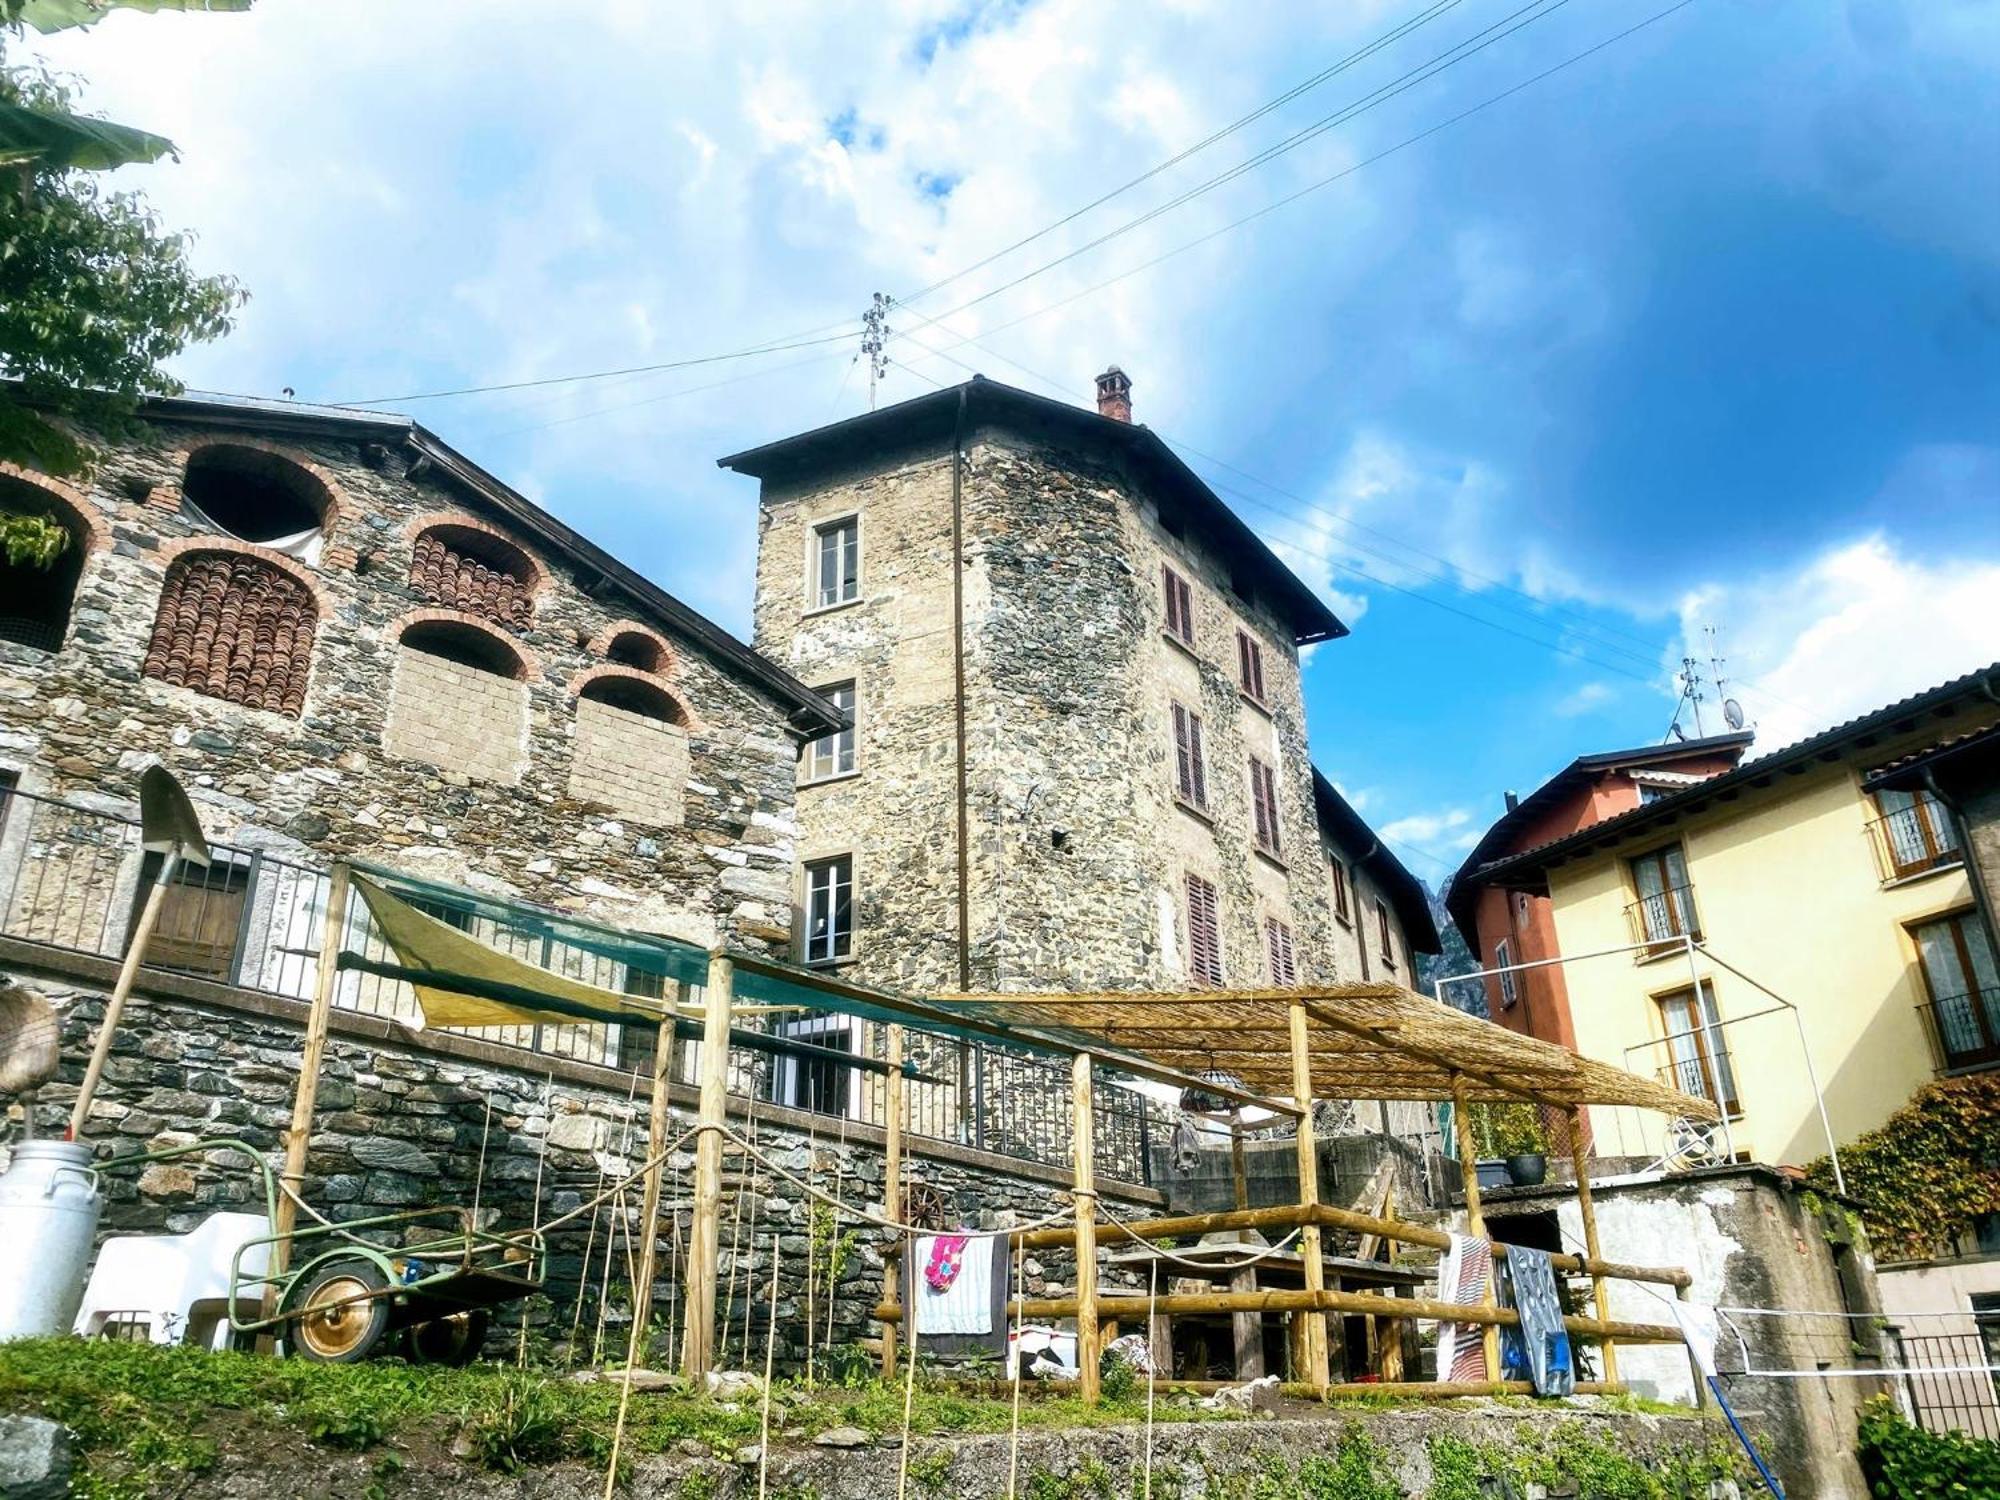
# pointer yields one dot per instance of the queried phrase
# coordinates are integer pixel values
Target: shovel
(169, 828)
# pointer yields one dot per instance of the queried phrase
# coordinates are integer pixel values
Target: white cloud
(1853, 628)
(1451, 829)
(1591, 695)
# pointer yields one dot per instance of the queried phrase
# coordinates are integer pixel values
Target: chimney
(1114, 395)
(1513, 801)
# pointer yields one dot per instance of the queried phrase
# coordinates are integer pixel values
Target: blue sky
(1703, 329)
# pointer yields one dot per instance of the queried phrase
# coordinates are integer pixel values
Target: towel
(1539, 1348)
(1700, 1327)
(1463, 1276)
(965, 1305)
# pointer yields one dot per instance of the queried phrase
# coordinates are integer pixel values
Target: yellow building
(1778, 926)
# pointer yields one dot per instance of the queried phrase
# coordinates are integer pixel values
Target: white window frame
(787, 1076)
(840, 740)
(1503, 959)
(816, 557)
(808, 870)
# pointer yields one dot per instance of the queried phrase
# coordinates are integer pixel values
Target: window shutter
(1204, 940)
(1284, 965)
(1243, 661)
(1183, 760)
(1200, 792)
(1250, 664)
(1167, 582)
(1264, 799)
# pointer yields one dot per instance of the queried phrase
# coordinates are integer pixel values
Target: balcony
(1914, 840)
(1964, 1030)
(1663, 921)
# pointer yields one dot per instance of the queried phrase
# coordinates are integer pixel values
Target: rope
(1207, 1264)
(479, 1172)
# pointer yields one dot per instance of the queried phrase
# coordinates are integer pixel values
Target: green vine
(1930, 1169)
(30, 541)
(1911, 1464)
(1513, 1129)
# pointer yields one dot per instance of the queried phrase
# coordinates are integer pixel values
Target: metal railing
(1948, 1380)
(1914, 839)
(1964, 1030)
(1696, 1060)
(73, 877)
(1663, 921)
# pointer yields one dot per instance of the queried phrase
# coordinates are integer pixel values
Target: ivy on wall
(1928, 1171)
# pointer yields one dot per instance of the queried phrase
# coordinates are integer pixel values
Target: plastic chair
(175, 1285)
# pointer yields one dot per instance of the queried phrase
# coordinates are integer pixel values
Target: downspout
(958, 694)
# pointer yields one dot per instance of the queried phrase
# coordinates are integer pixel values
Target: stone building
(1079, 757)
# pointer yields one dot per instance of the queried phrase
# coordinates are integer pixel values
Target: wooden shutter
(1340, 890)
(1250, 665)
(1278, 940)
(1183, 754)
(1264, 800)
(1196, 756)
(1204, 936)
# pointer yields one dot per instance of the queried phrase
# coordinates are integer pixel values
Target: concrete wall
(1788, 890)
(1749, 1238)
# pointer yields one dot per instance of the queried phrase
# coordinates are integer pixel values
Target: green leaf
(53, 139)
(59, 15)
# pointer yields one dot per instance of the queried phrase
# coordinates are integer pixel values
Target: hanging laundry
(1538, 1350)
(942, 1266)
(964, 1303)
(1463, 1277)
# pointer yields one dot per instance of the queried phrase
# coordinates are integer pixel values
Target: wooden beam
(705, 1233)
(1316, 1372)
(1475, 1214)
(892, 1190)
(1084, 1151)
(298, 1134)
(1599, 1294)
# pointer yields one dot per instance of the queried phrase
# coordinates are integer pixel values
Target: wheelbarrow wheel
(325, 1324)
(453, 1340)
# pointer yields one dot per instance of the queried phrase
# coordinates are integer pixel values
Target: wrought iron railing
(1664, 920)
(1949, 1382)
(1964, 1029)
(1914, 839)
(1696, 1060)
(72, 877)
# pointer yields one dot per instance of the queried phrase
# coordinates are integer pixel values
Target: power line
(712, 385)
(1388, 38)
(1534, 11)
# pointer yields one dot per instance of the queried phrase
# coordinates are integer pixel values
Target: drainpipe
(958, 694)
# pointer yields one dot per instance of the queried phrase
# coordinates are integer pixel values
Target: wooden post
(705, 1233)
(892, 1189)
(1475, 1215)
(128, 974)
(1309, 1242)
(656, 1140)
(298, 1135)
(1084, 1150)
(1580, 1159)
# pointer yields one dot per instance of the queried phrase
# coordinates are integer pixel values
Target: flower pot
(1527, 1170)
(1492, 1173)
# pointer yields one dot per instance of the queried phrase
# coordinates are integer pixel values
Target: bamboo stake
(656, 1140)
(770, 1353)
(1020, 1364)
(1316, 1372)
(892, 1187)
(298, 1135)
(1475, 1215)
(1600, 1295)
(909, 1400)
(705, 1234)
(128, 974)
(541, 1160)
(1084, 1151)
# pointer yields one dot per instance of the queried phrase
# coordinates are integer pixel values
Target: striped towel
(1463, 1277)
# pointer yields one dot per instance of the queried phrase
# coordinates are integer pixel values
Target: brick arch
(416, 527)
(670, 660)
(90, 520)
(167, 551)
(333, 501)
(529, 669)
(235, 622)
(450, 572)
(689, 720)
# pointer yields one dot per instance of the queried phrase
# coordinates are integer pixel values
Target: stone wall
(403, 1124)
(79, 722)
(634, 765)
(461, 718)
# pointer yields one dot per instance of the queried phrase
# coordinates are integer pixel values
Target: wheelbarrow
(422, 1282)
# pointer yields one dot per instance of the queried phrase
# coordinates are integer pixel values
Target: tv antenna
(1732, 711)
(874, 338)
(1691, 695)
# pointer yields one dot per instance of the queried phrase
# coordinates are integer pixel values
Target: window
(638, 1040)
(646, 699)
(1916, 834)
(837, 562)
(1250, 667)
(1204, 934)
(1664, 912)
(1964, 988)
(1340, 896)
(468, 570)
(201, 915)
(35, 597)
(258, 497)
(464, 646)
(1697, 1054)
(1264, 803)
(1190, 776)
(833, 754)
(1180, 605)
(637, 650)
(820, 1084)
(234, 627)
(1503, 957)
(1384, 935)
(830, 909)
(1278, 947)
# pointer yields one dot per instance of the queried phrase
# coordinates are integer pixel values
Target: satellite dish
(1732, 713)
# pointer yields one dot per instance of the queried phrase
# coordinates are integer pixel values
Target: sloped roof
(1405, 893)
(1528, 869)
(1909, 772)
(932, 417)
(1461, 895)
